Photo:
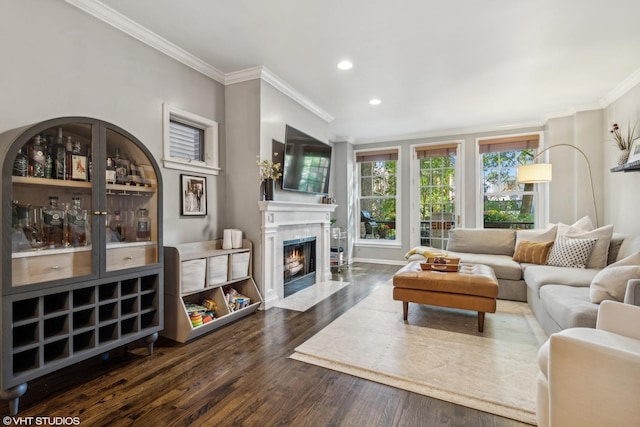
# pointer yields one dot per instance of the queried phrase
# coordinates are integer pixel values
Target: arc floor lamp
(541, 172)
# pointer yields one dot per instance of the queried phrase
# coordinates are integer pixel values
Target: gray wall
(59, 61)
(621, 201)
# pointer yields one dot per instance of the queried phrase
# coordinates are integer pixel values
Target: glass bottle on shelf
(117, 227)
(143, 226)
(76, 223)
(20, 164)
(53, 224)
(134, 173)
(48, 160)
(59, 157)
(68, 158)
(78, 163)
(110, 173)
(122, 172)
(22, 235)
(37, 157)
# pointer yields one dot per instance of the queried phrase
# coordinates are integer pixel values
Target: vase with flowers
(624, 142)
(269, 173)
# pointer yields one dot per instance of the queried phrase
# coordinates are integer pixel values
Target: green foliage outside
(499, 178)
(378, 189)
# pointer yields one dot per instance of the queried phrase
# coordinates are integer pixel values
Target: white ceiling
(437, 65)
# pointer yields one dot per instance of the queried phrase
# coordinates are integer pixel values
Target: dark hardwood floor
(241, 375)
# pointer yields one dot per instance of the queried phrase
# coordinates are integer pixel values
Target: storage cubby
(129, 287)
(25, 360)
(74, 292)
(188, 291)
(56, 350)
(55, 326)
(129, 326)
(108, 333)
(108, 312)
(55, 302)
(25, 309)
(84, 341)
(83, 318)
(25, 335)
(108, 292)
(83, 297)
(128, 306)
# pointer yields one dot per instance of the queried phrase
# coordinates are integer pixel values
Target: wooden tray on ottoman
(452, 265)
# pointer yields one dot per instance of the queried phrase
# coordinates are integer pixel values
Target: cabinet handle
(129, 257)
(55, 267)
(96, 212)
(103, 213)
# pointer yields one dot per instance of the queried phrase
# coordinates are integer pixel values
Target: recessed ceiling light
(345, 65)
(375, 101)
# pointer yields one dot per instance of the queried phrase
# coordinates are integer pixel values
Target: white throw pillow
(611, 282)
(583, 223)
(570, 252)
(537, 235)
(600, 253)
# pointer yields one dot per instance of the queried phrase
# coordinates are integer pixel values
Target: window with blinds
(185, 142)
(190, 142)
(506, 203)
(377, 194)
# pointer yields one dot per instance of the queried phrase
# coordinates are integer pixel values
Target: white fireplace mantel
(282, 221)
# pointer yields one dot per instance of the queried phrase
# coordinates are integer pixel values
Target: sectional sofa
(548, 268)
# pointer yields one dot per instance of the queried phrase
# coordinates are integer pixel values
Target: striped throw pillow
(532, 252)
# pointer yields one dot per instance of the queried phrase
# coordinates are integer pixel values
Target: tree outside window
(507, 204)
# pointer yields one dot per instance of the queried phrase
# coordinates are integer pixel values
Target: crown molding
(137, 31)
(108, 15)
(452, 132)
(266, 75)
(626, 85)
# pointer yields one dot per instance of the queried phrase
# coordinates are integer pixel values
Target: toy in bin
(236, 301)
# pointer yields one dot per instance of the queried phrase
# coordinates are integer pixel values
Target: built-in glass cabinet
(82, 266)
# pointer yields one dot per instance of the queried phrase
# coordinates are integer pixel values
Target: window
(377, 173)
(507, 204)
(190, 142)
(436, 193)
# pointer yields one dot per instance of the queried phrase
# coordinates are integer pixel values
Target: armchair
(591, 377)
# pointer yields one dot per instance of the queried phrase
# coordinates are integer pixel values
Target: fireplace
(282, 221)
(299, 266)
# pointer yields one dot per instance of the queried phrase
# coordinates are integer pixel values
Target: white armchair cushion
(611, 282)
(591, 377)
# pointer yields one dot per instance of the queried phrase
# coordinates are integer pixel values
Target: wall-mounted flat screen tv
(307, 162)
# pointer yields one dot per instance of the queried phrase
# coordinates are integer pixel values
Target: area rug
(310, 296)
(438, 352)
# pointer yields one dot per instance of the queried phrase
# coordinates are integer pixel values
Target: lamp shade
(533, 173)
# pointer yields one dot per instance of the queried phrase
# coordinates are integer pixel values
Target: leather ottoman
(472, 287)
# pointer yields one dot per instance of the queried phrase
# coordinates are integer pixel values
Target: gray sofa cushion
(504, 266)
(629, 246)
(569, 306)
(537, 276)
(482, 241)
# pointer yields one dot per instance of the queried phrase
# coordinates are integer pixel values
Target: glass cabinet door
(131, 223)
(52, 236)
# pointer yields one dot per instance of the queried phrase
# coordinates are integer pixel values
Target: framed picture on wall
(193, 195)
(634, 153)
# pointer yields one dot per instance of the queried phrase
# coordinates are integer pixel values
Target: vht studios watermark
(40, 421)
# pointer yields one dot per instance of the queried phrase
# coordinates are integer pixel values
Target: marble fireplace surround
(281, 221)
